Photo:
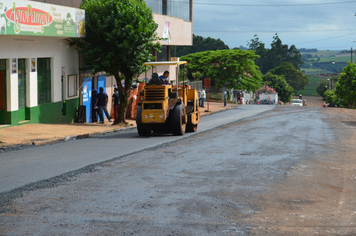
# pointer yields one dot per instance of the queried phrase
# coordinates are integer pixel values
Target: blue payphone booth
(87, 95)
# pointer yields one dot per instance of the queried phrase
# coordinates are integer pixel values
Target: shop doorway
(3, 113)
(22, 89)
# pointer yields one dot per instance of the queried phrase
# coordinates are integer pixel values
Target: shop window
(164, 7)
(44, 80)
(176, 8)
(2, 64)
(163, 55)
(72, 85)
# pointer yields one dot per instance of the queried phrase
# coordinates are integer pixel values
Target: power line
(274, 5)
(326, 38)
(274, 16)
(269, 31)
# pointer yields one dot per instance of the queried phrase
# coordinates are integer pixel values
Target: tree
(227, 68)
(345, 88)
(276, 55)
(294, 77)
(332, 97)
(322, 87)
(200, 44)
(265, 89)
(279, 83)
(120, 36)
(259, 48)
(197, 75)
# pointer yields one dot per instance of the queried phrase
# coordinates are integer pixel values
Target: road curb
(8, 148)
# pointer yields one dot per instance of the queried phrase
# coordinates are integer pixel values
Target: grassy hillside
(310, 89)
(337, 59)
(322, 65)
(313, 71)
(327, 62)
(322, 53)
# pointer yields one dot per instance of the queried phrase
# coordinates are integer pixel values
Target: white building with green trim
(40, 81)
(38, 66)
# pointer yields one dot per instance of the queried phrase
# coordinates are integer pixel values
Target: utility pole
(351, 48)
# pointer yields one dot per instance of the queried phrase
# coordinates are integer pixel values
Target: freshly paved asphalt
(31, 165)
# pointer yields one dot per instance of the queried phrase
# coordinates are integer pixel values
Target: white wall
(272, 96)
(181, 31)
(70, 62)
(12, 97)
(246, 97)
(31, 86)
(58, 49)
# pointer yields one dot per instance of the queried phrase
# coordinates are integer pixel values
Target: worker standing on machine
(164, 77)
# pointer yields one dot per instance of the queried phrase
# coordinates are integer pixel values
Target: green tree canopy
(120, 36)
(265, 89)
(200, 44)
(322, 87)
(227, 68)
(276, 55)
(345, 88)
(332, 97)
(279, 83)
(294, 77)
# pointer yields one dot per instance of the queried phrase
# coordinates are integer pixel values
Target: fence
(198, 85)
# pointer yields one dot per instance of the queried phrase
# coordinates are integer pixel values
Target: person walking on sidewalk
(116, 103)
(101, 103)
(203, 97)
(225, 97)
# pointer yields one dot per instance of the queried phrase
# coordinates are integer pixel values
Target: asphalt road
(23, 167)
(287, 171)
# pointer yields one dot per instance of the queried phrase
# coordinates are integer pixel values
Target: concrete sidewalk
(39, 134)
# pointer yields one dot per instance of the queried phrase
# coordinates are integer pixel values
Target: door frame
(3, 118)
(22, 110)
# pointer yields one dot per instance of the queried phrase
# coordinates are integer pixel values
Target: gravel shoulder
(318, 195)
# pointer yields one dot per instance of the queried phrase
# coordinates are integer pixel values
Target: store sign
(40, 19)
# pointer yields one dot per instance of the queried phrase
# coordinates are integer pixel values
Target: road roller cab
(167, 108)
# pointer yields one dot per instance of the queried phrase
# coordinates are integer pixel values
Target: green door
(22, 89)
(3, 113)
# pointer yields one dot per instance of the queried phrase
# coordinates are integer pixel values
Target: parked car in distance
(297, 102)
(331, 105)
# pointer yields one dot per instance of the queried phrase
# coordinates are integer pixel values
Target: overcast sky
(321, 24)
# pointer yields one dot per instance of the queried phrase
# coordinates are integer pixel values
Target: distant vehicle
(297, 102)
(265, 101)
(331, 105)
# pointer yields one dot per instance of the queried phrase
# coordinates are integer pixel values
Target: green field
(336, 59)
(312, 71)
(310, 88)
(321, 66)
(322, 53)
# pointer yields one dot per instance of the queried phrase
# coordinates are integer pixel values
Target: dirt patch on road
(318, 195)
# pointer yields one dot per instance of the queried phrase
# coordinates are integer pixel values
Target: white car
(297, 102)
